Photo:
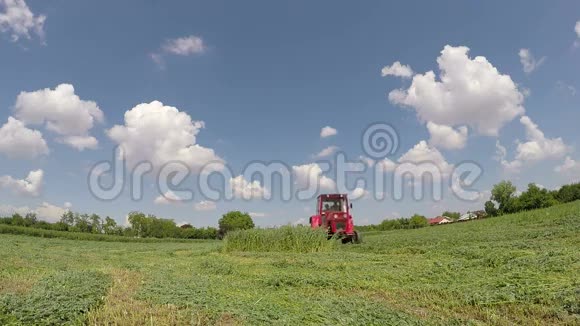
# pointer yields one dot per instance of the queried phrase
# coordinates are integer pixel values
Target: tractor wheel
(357, 238)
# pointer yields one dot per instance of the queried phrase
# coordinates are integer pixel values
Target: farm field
(515, 269)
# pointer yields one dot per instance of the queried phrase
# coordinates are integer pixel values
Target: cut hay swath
(299, 239)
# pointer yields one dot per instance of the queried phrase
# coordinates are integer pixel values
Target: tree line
(506, 200)
(414, 222)
(140, 226)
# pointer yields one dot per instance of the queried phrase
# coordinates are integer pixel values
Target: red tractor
(333, 213)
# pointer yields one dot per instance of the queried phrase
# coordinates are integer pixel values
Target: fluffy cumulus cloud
(423, 153)
(447, 137)
(327, 132)
(18, 21)
(61, 111)
(397, 69)
(328, 151)
(570, 168)
(538, 147)
(204, 206)
(19, 142)
(8, 210)
(358, 193)
(51, 213)
(159, 134)
(182, 46)
(469, 92)
(311, 176)
(45, 211)
(29, 186)
(501, 155)
(167, 198)
(242, 188)
(529, 62)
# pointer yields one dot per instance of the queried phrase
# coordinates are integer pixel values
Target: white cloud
(528, 61)
(310, 176)
(386, 165)
(367, 160)
(326, 152)
(159, 134)
(8, 210)
(257, 214)
(241, 188)
(358, 193)
(46, 212)
(569, 168)
(470, 92)
(17, 141)
(29, 186)
(327, 132)
(62, 112)
(422, 152)
(169, 197)
(539, 147)
(397, 69)
(51, 213)
(17, 20)
(500, 156)
(184, 46)
(81, 142)
(577, 30)
(204, 206)
(446, 137)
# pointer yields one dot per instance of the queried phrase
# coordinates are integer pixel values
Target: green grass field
(517, 269)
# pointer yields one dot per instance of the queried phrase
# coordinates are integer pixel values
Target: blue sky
(266, 77)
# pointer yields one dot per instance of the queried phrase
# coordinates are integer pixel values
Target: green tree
(503, 193)
(30, 219)
(490, 209)
(418, 221)
(536, 197)
(110, 226)
(18, 220)
(568, 193)
(140, 224)
(67, 218)
(235, 220)
(82, 223)
(96, 226)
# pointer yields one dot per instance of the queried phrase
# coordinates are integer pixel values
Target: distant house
(467, 217)
(439, 220)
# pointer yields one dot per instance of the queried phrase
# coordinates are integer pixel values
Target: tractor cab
(333, 213)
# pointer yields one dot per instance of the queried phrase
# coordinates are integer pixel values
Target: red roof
(436, 220)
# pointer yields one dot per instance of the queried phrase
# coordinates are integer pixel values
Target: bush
(299, 239)
(234, 220)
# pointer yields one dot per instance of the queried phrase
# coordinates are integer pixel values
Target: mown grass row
(60, 299)
(21, 230)
(299, 239)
